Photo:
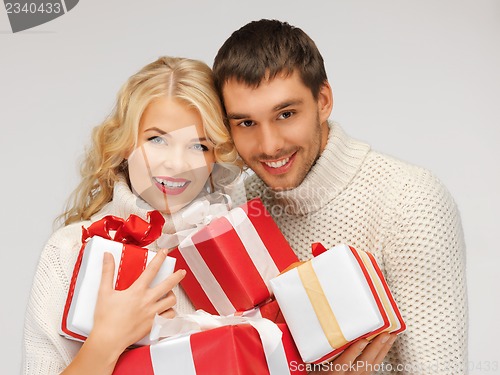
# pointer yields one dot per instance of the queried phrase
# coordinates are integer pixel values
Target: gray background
(416, 79)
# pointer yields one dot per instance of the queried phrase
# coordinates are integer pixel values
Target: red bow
(133, 230)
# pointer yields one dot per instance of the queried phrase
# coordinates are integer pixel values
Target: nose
(270, 138)
(175, 159)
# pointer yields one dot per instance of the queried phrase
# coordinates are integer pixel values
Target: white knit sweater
(408, 220)
(45, 351)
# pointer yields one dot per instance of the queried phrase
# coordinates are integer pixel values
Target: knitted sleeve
(425, 266)
(44, 350)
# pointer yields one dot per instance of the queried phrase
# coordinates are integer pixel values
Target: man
(320, 185)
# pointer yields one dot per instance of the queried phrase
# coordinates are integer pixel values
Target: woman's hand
(360, 358)
(124, 317)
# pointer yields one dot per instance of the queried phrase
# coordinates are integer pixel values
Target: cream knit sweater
(408, 220)
(45, 351)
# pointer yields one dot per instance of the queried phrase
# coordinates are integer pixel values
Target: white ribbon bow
(269, 332)
(200, 213)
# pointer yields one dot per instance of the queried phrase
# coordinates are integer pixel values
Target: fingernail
(385, 338)
(183, 272)
(393, 338)
(363, 344)
(107, 257)
(164, 251)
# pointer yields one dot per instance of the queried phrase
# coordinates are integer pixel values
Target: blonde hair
(188, 80)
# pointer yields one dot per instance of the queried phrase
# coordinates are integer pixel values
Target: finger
(152, 269)
(375, 350)
(166, 303)
(168, 284)
(168, 314)
(108, 272)
(388, 345)
(351, 353)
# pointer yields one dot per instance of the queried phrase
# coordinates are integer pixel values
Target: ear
(325, 102)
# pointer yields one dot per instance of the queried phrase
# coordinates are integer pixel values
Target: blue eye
(157, 140)
(199, 147)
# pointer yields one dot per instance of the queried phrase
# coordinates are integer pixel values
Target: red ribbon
(317, 249)
(133, 230)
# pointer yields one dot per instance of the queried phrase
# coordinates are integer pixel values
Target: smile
(171, 186)
(280, 166)
(277, 164)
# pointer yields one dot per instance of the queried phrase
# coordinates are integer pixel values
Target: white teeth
(170, 184)
(277, 164)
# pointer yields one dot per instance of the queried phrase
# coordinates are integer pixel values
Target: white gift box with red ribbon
(130, 261)
(333, 300)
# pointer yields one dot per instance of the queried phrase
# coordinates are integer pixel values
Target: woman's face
(173, 159)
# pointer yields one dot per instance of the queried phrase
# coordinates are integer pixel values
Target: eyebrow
(162, 132)
(154, 128)
(289, 103)
(236, 116)
(278, 107)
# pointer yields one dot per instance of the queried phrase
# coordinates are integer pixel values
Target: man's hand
(360, 358)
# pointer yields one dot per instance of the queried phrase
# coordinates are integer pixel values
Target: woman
(157, 150)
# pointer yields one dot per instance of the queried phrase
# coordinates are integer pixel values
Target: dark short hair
(266, 48)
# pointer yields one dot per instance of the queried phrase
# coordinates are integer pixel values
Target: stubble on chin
(281, 183)
(300, 175)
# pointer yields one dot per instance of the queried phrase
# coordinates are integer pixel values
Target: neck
(340, 159)
(325, 131)
(125, 203)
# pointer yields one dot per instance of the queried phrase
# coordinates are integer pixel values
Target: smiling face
(173, 159)
(279, 128)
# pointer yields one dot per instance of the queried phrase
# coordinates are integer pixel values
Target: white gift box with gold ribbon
(329, 302)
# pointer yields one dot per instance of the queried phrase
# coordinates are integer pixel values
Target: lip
(281, 170)
(171, 190)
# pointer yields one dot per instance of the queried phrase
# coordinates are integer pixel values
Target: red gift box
(269, 310)
(233, 349)
(231, 260)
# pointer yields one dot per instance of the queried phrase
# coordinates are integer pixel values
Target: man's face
(279, 129)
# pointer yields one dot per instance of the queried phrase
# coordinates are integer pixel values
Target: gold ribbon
(321, 306)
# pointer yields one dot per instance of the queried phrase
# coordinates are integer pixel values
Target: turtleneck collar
(125, 203)
(335, 168)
